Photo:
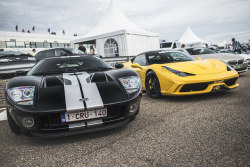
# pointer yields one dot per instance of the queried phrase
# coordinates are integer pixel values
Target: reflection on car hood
(199, 67)
(220, 56)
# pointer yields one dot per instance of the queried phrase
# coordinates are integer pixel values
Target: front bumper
(50, 124)
(203, 84)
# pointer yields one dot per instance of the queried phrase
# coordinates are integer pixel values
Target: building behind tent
(25, 42)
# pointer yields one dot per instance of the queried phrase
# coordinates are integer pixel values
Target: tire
(152, 85)
(13, 126)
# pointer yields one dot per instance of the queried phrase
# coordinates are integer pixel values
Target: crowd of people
(83, 49)
(33, 29)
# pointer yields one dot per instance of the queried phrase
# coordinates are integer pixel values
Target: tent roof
(114, 22)
(189, 37)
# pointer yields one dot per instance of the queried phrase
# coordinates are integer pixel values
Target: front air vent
(232, 62)
(99, 77)
(51, 81)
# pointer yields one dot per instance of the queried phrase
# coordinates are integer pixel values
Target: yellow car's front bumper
(200, 84)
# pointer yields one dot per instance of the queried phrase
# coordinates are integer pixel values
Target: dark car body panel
(50, 101)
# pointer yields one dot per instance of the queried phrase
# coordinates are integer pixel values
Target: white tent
(116, 35)
(190, 39)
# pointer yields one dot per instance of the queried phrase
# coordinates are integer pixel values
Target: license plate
(84, 115)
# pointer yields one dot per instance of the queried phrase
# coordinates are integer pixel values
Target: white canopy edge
(189, 37)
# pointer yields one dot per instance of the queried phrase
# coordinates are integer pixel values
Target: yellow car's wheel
(152, 84)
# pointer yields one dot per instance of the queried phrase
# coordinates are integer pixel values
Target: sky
(212, 20)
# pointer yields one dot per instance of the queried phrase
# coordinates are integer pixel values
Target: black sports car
(57, 52)
(12, 61)
(69, 95)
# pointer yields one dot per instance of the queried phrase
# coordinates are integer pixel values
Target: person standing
(33, 28)
(82, 48)
(236, 46)
(33, 53)
(63, 32)
(16, 28)
(92, 50)
(23, 30)
(49, 30)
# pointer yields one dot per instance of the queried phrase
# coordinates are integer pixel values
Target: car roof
(67, 57)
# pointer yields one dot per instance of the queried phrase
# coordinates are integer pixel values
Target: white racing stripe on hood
(72, 94)
(91, 92)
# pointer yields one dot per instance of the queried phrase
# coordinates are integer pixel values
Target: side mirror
(198, 58)
(136, 65)
(20, 73)
(119, 65)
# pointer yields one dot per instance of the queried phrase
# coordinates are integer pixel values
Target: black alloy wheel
(152, 84)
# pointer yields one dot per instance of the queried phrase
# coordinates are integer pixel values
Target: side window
(174, 46)
(60, 52)
(50, 53)
(141, 60)
(40, 56)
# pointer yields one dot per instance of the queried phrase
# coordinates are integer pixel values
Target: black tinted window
(174, 46)
(40, 55)
(200, 51)
(49, 53)
(141, 60)
(163, 57)
(60, 52)
(166, 45)
(69, 64)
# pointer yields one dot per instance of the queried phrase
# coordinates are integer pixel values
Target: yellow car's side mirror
(198, 58)
(136, 65)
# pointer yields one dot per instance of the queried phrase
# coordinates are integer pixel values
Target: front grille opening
(53, 121)
(240, 61)
(231, 82)
(232, 62)
(194, 87)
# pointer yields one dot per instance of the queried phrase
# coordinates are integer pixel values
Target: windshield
(166, 45)
(75, 51)
(200, 51)
(163, 57)
(69, 64)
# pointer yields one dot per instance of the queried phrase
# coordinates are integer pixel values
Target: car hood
(246, 56)
(225, 57)
(199, 67)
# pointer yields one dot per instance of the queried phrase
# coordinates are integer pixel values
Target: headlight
(179, 73)
(3, 60)
(22, 95)
(229, 68)
(131, 83)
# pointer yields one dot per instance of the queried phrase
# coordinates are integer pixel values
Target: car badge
(84, 99)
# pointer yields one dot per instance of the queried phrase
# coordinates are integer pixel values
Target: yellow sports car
(164, 72)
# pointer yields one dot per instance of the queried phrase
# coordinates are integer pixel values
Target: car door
(141, 60)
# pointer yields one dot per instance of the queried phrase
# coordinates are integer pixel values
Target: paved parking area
(203, 130)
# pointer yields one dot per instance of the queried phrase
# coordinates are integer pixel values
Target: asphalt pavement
(202, 130)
